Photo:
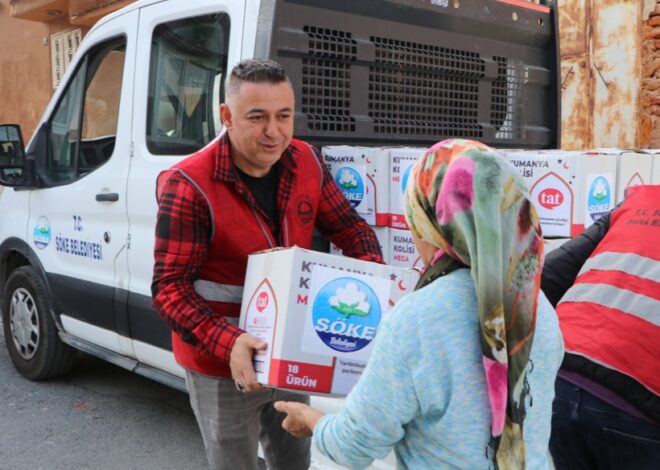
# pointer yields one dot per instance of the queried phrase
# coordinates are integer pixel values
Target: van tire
(31, 335)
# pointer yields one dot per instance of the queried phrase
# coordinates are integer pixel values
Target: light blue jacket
(424, 391)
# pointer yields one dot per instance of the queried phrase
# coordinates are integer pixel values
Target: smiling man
(254, 188)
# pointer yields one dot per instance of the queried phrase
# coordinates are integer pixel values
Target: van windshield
(188, 64)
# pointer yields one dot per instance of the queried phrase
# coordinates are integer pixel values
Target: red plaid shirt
(184, 231)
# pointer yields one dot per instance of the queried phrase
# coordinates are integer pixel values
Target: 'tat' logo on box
(550, 198)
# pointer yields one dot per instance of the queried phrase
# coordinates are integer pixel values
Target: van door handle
(107, 197)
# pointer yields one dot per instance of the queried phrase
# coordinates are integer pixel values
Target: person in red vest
(606, 284)
(253, 188)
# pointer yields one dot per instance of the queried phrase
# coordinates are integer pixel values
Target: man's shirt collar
(225, 169)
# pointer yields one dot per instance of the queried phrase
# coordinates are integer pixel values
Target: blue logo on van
(404, 178)
(41, 233)
(599, 199)
(351, 184)
(346, 314)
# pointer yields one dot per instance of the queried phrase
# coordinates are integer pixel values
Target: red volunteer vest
(611, 315)
(238, 230)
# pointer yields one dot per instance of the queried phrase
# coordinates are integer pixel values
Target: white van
(78, 206)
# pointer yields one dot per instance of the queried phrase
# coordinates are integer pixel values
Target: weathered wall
(25, 81)
(25, 72)
(650, 79)
(616, 67)
(601, 64)
(576, 107)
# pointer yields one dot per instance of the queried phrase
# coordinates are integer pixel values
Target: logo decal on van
(41, 233)
(351, 184)
(599, 198)
(346, 314)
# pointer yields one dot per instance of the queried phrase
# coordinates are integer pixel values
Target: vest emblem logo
(304, 211)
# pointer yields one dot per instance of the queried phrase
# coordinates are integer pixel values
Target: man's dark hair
(255, 71)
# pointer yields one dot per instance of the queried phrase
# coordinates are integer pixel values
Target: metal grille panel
(326, 80)
(506, 103)
(424, 90)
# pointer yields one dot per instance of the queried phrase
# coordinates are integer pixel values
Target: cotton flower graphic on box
(350, 301)
(600, 191)
(345, 312)
(347, 180)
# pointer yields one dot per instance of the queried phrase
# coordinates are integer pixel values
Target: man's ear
(225, 115)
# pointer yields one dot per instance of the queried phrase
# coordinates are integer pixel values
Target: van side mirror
(12, 156)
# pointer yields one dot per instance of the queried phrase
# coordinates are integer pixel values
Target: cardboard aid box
(383, 236)
(401, 161)
(551, 183)
(634, 168)
(597, 183)
(403, 252)
(362, 174)
(319, 314)
(569, 189)
(655, 173)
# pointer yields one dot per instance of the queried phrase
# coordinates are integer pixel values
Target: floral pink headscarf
(466, 200)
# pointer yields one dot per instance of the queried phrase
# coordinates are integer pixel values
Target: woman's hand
(301, 419)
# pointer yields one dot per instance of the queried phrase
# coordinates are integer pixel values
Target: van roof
(122, 11)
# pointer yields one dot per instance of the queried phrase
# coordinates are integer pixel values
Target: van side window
(84, 124)
(188, 64)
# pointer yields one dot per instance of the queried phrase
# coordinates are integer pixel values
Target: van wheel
(30, 332)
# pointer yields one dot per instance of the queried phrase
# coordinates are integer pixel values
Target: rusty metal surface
(576, 111)
(573, 27)
(600, 46)
(616, 69)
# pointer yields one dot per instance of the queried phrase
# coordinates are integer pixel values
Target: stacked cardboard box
(655, 172)
(383, 235)
(401, 161)
(362, 174)
(402, 248)
(373, 180)
(634, 167)
(570, 189)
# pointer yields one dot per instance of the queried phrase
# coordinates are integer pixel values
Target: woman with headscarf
(462, 371)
